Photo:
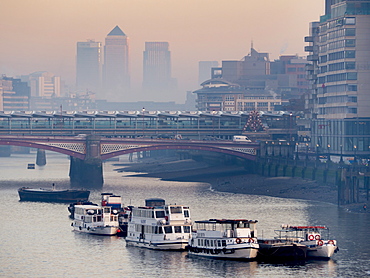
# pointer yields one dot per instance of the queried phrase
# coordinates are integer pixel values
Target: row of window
(347, 32)
(337, 23)
(211, 243)
(162, 229)
(337, 44)
(337, 99)
(338, 77)
(337, 55)
(337, 110)
(337, 88)
(338, 66)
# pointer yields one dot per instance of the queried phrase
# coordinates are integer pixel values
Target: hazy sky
(41, 35)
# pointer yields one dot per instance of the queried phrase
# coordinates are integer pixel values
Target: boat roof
(303, 228)
(226, 221)
(87, 206)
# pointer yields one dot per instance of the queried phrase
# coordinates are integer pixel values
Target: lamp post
(341, 155)
(306, 151)
(328, 152)
(296, 154)
(355, 158)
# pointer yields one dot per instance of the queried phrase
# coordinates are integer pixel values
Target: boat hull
(248, 253)
(282, 252)
(159, 245)
(102, 231)
(57, 196)
(322, 252)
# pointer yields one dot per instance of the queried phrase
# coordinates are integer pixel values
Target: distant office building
(14, 94)
(157, 68)
(43, 84)
(205, 70)
(116, 74)
(88, 66)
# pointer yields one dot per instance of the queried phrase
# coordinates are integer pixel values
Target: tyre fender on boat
(251, 240)
(311, 237)
(331, 242)
(238, 240)
(317, 237)
(320, 243)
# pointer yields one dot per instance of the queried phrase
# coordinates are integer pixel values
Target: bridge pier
(40, 157)
(88, 172)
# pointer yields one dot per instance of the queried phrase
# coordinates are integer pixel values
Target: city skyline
(42, 35)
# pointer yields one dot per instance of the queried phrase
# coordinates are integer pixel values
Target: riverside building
(339, 74)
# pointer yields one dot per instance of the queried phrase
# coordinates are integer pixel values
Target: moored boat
(159, 226)
(52, 195)
(95, 219)
(224, 239)
(316, 238)
(275, 250)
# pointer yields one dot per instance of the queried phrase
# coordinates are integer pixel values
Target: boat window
(223, 242)
(186, 213)
(160, 231)
(219, 243)
(159, 214)
(211, 243)
(106, 210)
(152, 214)
(186, 229)
(201, 242)
(207, 242)
(168, 229)
(99, 218)
(177, 229)
(176, 209)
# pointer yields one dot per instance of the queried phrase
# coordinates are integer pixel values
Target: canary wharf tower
(116, 75)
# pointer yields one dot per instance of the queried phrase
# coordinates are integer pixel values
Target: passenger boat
(52, 195)
(159, 226)
(224, 239)
(316, 238)
(276, 250)
(95, 219)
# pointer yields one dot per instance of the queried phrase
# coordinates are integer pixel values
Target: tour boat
(159, 226)
(98, 220)
(225, 239)
(316, 238)
(52, 195)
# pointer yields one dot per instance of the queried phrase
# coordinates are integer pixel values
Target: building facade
(116, 74)
(88, 66)
(14, 94)
(339, 72)
(43, 84)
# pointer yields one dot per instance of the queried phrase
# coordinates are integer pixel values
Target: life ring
(311, 237)
(251, 240)
(317, 237)
(238, 240)
(331, 242)
(320, 243)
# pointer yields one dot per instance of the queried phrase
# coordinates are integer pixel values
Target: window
(159, 214)
(168, 229)
(186, 213)
(352, 76)
(350, 20)
(186, 229)
(350, 54)
(350, 32)
(350, 43)
(176, 210)
(177, 229)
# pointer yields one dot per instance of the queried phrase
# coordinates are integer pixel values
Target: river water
(37, 239)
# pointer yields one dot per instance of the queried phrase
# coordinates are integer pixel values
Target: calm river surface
(37, 239)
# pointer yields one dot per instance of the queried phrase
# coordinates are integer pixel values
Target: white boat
(316, 238)
(94, 219)
(159, 226)
(225, 239)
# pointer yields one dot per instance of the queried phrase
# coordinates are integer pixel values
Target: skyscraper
(116, 74)
(88, 66)
(157, 68)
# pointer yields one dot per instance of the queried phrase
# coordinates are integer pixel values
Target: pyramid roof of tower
(116, 32)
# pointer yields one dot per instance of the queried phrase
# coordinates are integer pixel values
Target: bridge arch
(179, 147)
(42, 146)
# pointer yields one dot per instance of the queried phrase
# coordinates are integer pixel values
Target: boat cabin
(230, 228)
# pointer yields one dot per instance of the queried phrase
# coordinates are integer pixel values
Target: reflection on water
(37, 239)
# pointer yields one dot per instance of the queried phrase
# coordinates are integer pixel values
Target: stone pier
(88, 173)
(40, 157)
